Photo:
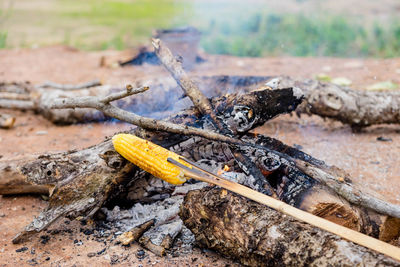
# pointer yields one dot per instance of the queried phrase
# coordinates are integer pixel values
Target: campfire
(245, 195)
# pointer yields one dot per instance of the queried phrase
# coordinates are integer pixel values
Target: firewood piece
(6, 121)
(68, 87)
(83, 181)
(354, 107)
(17, 104)
(188, 86)
(256, 235)
(134, 233)
(13, 181)
(14, 96)
(348, 191)
(342, 231)
(160, 238)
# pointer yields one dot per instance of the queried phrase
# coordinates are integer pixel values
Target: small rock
(140, 254)
(41, 132)
(88, 232)
(21, 249)
(47, 259)
(101, 251)
(91, 254)
(44, 239)
(384, 139)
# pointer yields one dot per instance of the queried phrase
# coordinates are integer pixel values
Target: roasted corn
(149, 157)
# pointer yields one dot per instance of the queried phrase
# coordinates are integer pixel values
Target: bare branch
(144, 122)
(69, 87)
(188, 86)
(17, 104)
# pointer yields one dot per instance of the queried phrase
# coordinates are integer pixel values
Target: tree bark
(256, 235)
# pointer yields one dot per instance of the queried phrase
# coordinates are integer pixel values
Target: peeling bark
(256, 235)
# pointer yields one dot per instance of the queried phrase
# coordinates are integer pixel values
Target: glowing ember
(225, 169)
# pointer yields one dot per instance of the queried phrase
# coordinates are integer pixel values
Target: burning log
(256, 235)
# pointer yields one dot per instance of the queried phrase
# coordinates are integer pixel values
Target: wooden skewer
(344, 232)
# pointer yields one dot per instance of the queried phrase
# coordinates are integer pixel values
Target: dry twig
(103, 104)
(188, 86)
(68, 87)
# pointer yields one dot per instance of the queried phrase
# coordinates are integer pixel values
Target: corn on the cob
(149, 157)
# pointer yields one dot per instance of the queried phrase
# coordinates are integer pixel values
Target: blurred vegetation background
(341, 28)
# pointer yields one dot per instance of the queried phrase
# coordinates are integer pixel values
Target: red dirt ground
(371, 163)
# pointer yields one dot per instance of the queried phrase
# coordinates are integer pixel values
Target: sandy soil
(372, 163)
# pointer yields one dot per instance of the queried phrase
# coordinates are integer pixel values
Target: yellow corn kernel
(149, 157)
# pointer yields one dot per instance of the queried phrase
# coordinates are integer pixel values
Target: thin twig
(129, 91)
(68, 87)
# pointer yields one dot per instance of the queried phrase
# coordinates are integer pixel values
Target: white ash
(273, 83)
(161, 211)
(183, 190)
(297, 92)
(165, 212)
(158, 233)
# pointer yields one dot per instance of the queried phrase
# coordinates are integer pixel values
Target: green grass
(298, 35)
(3, 39)
(123, 23)
(240, 29)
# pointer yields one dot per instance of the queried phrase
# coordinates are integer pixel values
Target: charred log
(256, 235)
